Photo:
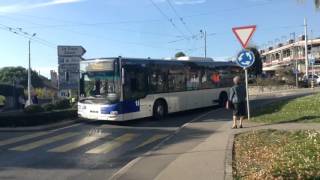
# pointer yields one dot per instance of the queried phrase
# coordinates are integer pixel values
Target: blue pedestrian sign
(245, 58)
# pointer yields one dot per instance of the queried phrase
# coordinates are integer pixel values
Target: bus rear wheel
(159, 110)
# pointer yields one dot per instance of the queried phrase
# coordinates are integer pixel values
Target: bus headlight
(114, 113)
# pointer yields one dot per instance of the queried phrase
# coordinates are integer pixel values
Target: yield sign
(244, 34)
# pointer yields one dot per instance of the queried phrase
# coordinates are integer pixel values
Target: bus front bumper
(105, 117)
(94, 113)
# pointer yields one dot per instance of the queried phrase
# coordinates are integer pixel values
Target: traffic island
(281, 141)
(277, 154)
(303, 109)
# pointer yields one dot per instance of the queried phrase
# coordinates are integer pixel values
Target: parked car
(316, 79)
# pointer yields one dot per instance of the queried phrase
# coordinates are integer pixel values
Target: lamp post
(29, 102)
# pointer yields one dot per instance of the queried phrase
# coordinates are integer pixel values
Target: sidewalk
(197, 151)
(200, 150)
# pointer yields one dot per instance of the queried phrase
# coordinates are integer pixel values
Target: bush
(2, 100)
(44, 93)
(62, 104)
(24, 119)
(34, 108)
(48, 107)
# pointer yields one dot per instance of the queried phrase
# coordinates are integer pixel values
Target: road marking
(42, 142)
(151, 140)
(22, 138)
(77, 144)
(109, 146)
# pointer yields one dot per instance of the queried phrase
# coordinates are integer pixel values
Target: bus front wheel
(159, 110)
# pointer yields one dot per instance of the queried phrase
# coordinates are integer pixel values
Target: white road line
(77, 144)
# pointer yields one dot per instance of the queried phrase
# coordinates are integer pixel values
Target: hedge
(7, 90)
(23, 119)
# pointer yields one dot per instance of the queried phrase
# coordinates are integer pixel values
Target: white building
(291, 54)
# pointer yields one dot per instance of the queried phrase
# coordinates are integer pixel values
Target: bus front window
(99, 86)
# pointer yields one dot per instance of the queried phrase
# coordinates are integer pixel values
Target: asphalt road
(88, 150)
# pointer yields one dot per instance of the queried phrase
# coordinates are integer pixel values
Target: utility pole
(29, 102)
(29, 75)
(312, 60)
(295, 58)
(205, 44)
(19, 31)
(306, 47)
(204, 35)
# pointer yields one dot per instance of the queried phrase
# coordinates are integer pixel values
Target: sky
(144, 28)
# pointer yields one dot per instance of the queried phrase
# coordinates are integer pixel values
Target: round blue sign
(245, 58)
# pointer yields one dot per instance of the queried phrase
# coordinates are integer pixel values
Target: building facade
(291, 55)
(54, 78)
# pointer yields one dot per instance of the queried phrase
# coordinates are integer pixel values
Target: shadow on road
(172, 120)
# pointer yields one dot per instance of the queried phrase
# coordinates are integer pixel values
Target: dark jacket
(237, 94)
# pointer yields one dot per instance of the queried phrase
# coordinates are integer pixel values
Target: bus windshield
(99, 83)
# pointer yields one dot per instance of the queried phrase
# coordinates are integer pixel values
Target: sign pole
(245, 58)
(247, 92)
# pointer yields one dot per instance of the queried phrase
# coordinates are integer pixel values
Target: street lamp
(29, 102)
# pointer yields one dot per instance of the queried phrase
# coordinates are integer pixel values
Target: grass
(2, 99)
(274, 154)
(304, 109)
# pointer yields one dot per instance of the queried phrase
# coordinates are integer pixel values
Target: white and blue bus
(120, 89)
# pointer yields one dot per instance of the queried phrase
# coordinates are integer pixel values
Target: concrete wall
(256, 90)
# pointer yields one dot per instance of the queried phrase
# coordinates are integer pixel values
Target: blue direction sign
(245, 58)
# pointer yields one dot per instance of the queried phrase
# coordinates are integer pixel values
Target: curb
(286, 92)
(229, 158)
(41, 127)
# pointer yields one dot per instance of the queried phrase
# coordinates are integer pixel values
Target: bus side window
(176, 79)
(135, 86)
(158, 79)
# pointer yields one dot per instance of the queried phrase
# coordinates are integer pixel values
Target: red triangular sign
(244, 34)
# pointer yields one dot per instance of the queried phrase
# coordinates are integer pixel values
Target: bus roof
(163, 60)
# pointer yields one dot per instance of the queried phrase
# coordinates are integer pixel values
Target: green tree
(20, 76)
(256, 68)
(179, 54)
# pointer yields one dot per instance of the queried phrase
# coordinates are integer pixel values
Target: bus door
(134, 88)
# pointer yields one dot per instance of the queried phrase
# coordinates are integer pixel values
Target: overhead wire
(19, 32)
(167, 18)
(179, 17)
(91, 35)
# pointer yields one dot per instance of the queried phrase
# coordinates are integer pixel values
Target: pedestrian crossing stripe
(100, 149)
(109, 146)
(151, 140)
(22, 138)
(42, 142)
(77, 144)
